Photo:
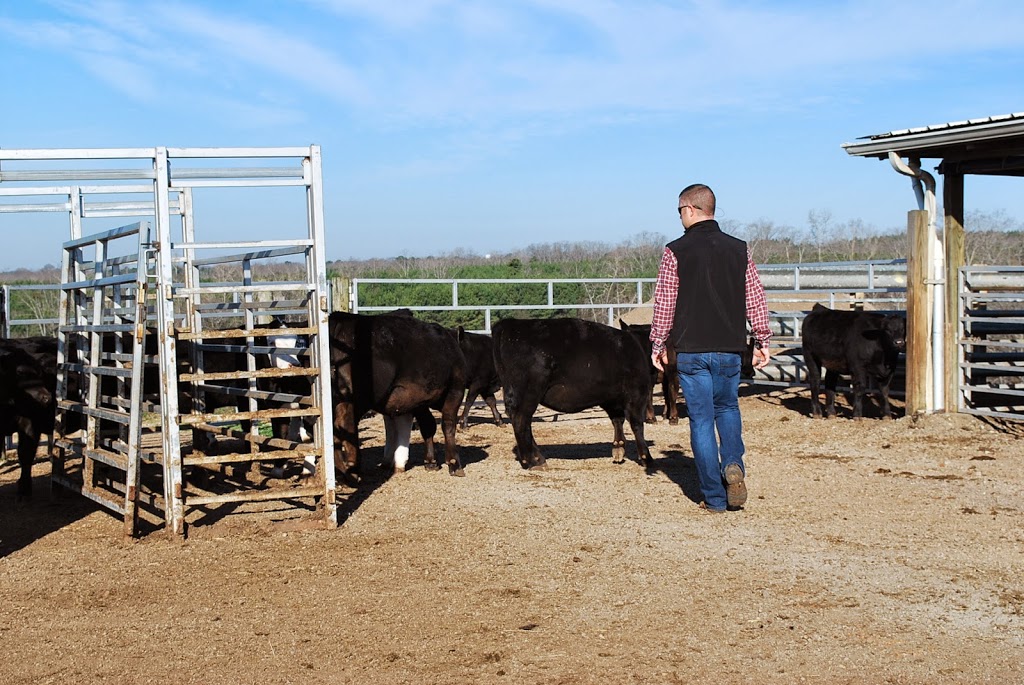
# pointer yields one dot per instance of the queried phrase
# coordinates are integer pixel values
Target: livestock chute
(153, 292)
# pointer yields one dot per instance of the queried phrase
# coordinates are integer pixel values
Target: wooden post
(918, 310)
(953, 241)
(340, 290)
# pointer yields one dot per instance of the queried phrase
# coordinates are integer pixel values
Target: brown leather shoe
(708, 510)
(735, 488)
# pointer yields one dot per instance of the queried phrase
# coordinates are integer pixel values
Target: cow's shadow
(373, 473)
(23, 522)
(580, 451)
(800, 403)
(673, 463)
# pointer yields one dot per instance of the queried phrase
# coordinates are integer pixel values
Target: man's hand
(761, 357)
(659, 359)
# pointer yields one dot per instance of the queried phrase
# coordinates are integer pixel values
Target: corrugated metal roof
(956, 139)
(946, 127)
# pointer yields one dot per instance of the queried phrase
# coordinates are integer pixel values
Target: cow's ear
(623, 325)
(461, 334)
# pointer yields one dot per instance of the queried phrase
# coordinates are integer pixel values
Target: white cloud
(443, 62)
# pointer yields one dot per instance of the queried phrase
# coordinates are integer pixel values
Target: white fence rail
(792, 290)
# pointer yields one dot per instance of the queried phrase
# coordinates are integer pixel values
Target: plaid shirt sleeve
(665, 292)
(757, 305)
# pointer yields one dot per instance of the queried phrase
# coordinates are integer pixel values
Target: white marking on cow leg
(309, 466)
(389, 441)
(402, 437)
(280, 356)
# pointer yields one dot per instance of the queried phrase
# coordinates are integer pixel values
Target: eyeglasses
(682, 207)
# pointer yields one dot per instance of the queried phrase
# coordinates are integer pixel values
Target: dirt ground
(868, 552)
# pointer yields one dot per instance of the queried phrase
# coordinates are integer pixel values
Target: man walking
(707, 289)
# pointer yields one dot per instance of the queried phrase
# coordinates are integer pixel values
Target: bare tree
(818, 225)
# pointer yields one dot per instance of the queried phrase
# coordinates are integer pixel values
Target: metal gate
(145, 310)
(991, 341)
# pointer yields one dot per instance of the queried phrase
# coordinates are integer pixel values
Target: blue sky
(488, 126)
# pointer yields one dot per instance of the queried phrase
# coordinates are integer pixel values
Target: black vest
(711, 307)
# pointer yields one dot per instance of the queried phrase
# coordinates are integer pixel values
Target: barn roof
(991, 145)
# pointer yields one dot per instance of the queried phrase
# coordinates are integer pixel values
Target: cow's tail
(500, 347)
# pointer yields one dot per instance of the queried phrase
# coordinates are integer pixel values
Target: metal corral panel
(991, 341)
(147, 308)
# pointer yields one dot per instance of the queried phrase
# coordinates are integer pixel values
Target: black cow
(28, 397)
(570, 365)
(400, 367)
(288, 352)
(669, 378)
(865, 345)
(481, 376)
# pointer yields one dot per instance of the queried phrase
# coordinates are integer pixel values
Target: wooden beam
(953, 244)
(918, 310)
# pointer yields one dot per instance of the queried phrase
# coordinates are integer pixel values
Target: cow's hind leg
(28, 443)
(397, 432)
(449, 421)
(814, 381)
(883, 387)
(492, 402)
(617, 415)
(831, 379)
(670, 393)
(520, 412)
(428, 429)
(860, 385)
(471, 396)
(346, 442)
(643, 452)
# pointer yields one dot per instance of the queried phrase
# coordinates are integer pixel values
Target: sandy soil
(869, 552)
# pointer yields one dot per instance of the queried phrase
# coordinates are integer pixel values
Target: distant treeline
(991, 238)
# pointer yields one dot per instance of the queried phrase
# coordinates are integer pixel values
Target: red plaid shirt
(667, 289)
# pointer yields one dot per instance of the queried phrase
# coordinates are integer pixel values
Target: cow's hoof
(461, 473)
(432, 467)
(348, 479)
(539, 467)
(673, 421)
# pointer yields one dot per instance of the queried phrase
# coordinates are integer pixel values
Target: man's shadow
(679, 468)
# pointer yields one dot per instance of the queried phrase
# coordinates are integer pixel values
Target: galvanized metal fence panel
(991, 341)
(185, 304)
(100, 369)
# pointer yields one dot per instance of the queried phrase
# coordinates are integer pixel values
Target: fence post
(340, 287)
(953, 239)
(4, 312)
(918, 313)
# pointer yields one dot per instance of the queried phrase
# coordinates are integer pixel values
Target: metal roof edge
(926, 137)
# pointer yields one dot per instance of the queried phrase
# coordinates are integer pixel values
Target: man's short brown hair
(699, 196)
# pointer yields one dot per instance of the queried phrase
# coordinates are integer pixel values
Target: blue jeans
(710, 383)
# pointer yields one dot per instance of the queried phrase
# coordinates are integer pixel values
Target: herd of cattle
(403, 368)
